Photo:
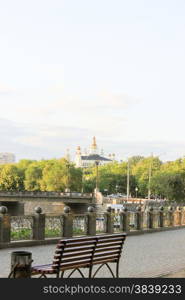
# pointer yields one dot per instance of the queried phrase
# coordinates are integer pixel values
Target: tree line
(167, 179)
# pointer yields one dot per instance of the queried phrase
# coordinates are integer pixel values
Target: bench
(84, 252)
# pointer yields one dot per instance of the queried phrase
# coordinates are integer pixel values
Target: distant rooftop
(94, 157)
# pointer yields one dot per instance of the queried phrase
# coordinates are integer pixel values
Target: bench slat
(81, 256)
(66, 250)
(74, 259)
(108, 245)
(78, 244)
(70, 251)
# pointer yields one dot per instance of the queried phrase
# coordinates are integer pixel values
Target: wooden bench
(84, 252)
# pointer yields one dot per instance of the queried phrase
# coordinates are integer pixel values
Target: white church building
(89, 158)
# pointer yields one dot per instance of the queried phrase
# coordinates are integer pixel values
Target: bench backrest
(108, 248)
(81, 251)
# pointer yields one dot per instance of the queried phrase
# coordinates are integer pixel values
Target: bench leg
(90, 272)
(77, 269)
(101, 267)
(62, 274)
(117, 270)
(43, 275)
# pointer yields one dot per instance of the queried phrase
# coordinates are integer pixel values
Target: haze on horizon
(71, 70)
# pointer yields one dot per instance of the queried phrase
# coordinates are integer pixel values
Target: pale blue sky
(73, 69)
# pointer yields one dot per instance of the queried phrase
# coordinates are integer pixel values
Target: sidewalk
(179, 274)
(160, 254)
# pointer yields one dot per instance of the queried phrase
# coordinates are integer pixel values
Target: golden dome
(94, 145)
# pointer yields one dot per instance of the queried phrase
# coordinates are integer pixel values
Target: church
(88, 159)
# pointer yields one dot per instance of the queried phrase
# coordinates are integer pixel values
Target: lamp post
(150, 174)
(117, 188)
(136, 189)
(82, 189)
(68, 179)
(128, 179)
(97, 175)
(149, 177)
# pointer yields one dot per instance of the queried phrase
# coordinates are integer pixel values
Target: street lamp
(136, 189)
(150, 174)
(97, 175)
(128, 179)
(68, 179)
(117, 189)
(149, 177)
(82, 189)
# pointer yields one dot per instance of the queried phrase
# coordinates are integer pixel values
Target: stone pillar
(138, 219)
(150, 218)
(170, 216)
(91, 221)
(183, 215)
(124, 220)
(179, 216)
(38, 225)
(5, 225)
(109, 221)
(67, 222)
(161, 216)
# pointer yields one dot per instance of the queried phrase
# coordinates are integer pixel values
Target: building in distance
(89, 158)
(6, 158)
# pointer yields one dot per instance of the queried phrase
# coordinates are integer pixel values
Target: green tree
(11, 178)
(33, 176)
(169, 185)
(141, 172)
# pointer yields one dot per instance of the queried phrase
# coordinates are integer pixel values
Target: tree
(141, 172)
(33, 176)
(11, 178)
(169, 185)
(57, 175)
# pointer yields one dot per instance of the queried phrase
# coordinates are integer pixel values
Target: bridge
(24, 202)
(160, 254)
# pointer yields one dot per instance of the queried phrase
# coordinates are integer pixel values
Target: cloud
(104, 100)
(6, 90)
(104, 113)
(47, 141)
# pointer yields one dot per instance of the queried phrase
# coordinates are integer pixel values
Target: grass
(26, 233)
(21, 234)
(52, 233)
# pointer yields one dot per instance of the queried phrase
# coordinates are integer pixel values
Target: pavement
(160, 254)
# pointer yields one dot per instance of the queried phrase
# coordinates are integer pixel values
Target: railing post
(161, 216)
(170, 217)
(38, 225)
(109, 221)
(179, 216)
(91, 221)
(150, 218)
(67, 222)
(138, 218)
(124, 220)
(183, 216)
(5, 225)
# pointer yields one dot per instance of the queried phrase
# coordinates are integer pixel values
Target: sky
(71, 70)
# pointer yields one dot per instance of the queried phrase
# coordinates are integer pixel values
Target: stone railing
(40, 228)
(45, 194)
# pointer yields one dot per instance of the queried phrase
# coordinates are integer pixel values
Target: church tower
(93, 147)
(78, 159)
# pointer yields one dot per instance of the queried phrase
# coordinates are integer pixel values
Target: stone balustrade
(40, 228)
(45, 194)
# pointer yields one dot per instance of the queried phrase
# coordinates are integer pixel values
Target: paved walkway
(160, 254)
